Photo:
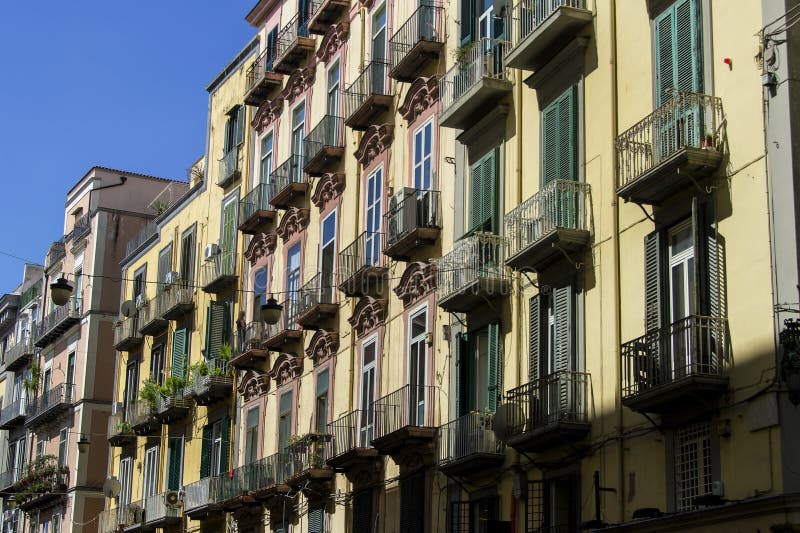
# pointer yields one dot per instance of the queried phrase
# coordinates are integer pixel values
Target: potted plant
(150, 392)
(708, 141)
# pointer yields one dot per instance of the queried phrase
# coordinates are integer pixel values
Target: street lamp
(271, 311)
(60, 291)
(83, 444)
(790, 362)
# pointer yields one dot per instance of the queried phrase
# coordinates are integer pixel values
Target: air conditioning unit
(173, 499)
(172, 278)
(212, 250)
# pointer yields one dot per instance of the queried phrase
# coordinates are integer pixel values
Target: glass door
(298, 135)
(418, 364)
(150, 483)
(681, 285)
(265, 167)
(327, 258)
(373, 215)
(367, 425)
(378, 50)
(333, 90)
(292, 285)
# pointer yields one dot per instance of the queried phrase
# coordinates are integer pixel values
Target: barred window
(693, 464)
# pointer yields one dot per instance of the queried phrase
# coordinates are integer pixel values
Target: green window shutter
(175, 448)
(493, 373)
(178, 367)
(215, 328)
(653, 284)
(678, 47)
(560, 138)
(362, 511)
(564, 328)
(227, 327)
(228, 227)
(534, 337)
(240, 124)
(316, 520)
(550, 143)
(665, 56)
(475, 207)
(225, 435)
(462, 374)
(489, 189)
(467, 20)
(205, 454)
(228, 140)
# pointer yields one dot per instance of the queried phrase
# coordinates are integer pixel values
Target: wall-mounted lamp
(83, 444)
(271, 311)
(60, 291)
(790, 362)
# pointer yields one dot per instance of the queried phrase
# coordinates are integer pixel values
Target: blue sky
(99, 82)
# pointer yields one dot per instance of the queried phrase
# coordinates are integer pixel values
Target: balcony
(142, 419)
(361, 268)
(549, 224)
(159, 514)
(178, 299)
(56, 323)
(151, 320)
(307, 466)
(468, 445)
(294, 45)
(675, 366)
(173, 407)
(13, 415)
(19, 355)
(50, 405)
(252, 354)
(261, 80)
(230, 167)
(472, 273)
(9, 303)
(350, 446)
(8, 479)
(671, 149)
(201, 498)
(219, 272)
(55, 253)
(539, 28)
(126, 333)
(42, 484)
(120, 431)
(126, 518)
(412, 223)
(82, 228)
(253, 483)
(289, 182)
(404, 421)
(317, 301)
(255, 211)
(418, 42)
(146, 235)
(211, 383)
(324, 146)
(475, 85)
(368, 96)
(287, 332)
(548, 412)
(325, 13)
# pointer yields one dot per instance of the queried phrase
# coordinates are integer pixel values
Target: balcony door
(298, 135)
(418, 367)
(334, 87)
(227, 241)
(150, 479)
(367, 392)
(285, 426)
(46, 384)
(327, 255)
(131, 388)
(373, 215)
(377, 75)
(125, 481)
(681, 290)
(265, 166)
(157, 364)
(292, 284)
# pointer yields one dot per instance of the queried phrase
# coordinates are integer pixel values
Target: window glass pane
(286, 403)
(322, 382)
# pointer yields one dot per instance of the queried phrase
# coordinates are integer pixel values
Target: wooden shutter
(240, 125)
(175, 449)
(489, 188)
(362, 511)
(467, 21)
(205, 453)
(228, 139)
(493, 372)
(412, 503)
(178, 367)
(550, 144)
(462, 374)
(475, 207)
(560, 138)
(215, 328)
(653, 284)
(564, 327)
(708, 265)
(316, 520)
(678, 49)
(225, 434)
(534, 337)
(665, 57)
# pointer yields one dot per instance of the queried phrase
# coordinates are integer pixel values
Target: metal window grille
(534, 506)
(460, 517)
(693, 463)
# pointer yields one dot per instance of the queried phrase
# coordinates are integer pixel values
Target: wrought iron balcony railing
(50, 404)
(81, 228)
(229, 167)
(148, 232)
(151, 320)
(261, 79)
(411, 406)
(420, 37)
(317, 300)
(122, 518)
(557, 214)
(324, 13)
(57, 322)
(20, 353)
(120, 431)
(219, 272)
(295, 29)
(361, 264)
(126, 333)
(689, 125)
(368, 95)
(324, 145)
(177, 299)
(308, 453)
(255, 208)
(691, 353)
(289, 181)
(351, 436)
(201, 495)
(469, 437)
(415, 220)
(14, 413)
(287, 329)
(55, 254)
(158, 512)
(211, 383)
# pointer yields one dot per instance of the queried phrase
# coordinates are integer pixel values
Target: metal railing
(471, 434)
(687, 120)
(527, 15)
(228, 165)
(147, 232)
(373, 80)
(55, 253)
(221, 265)
(480, 255)
(201, 493)
(81, 228)
(113, 520)
(255, 201)
(346, 434)
(21, 349)
(692, 346)
(127, 329)
(109, 521)
(329, 132)
(17, 408)
(418, 209)
(179, 399)
(261, 474)
(58, 395)
(319, 290)
(288, 320)
(558, 397)
(484, 59)
(260, 67)
(156, 509)
(311, 452)
(363, 252)
(289, 172)
(72, 309)
(118, 424)
(175, 294)
(296, 27)
(560, 204)
(411, 405)
(151, 310)
(215, 373)
(425, 24)
(141, 413)
(251, 336)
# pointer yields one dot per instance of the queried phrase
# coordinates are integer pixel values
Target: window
(478, 378)
(150, 480)
(321, 405)
(265, 168)
(551, 333)
(41, 446)
(131, 388)
(218, 327)
(368, 361)
(423, 157)
(56, 521)
(473, 516)
(216, 447)
(175, 463)
(479, 20)
(125, 480)
(180, 353)
(327, 258)
(552, 504)
(362, 511)
(47, 381)
(285, 419)
(139, 283)
(234, 128)
(272, 46)
(292, 283)
(693, 464)
(373, 216)
(70, 376)
(227, 240)
(483, 193)
(418, 366)
(678, 47)
(251, 436)
(316, 520)
(164, 265)
(412, 503)
(379, 38)
(187, 256)
(157, 364)
(214, 453)
(259, 289)
(560, 139)
(298, 135)
(63, 439)
(78, 283)
(334, 87)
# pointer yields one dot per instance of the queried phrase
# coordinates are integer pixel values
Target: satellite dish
(111, 487)
(127, 308)
(509, 420)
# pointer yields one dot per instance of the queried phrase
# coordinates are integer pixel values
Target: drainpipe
(616, 262)
(519, 296)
